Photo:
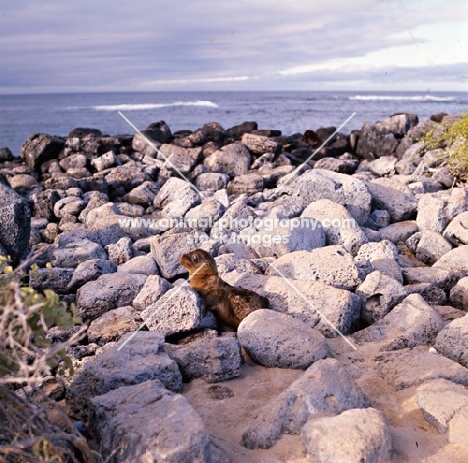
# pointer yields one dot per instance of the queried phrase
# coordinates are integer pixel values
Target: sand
(414, 439)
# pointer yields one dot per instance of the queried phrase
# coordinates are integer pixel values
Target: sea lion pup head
(199, 262)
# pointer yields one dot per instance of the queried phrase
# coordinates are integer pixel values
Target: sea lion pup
(229, 305)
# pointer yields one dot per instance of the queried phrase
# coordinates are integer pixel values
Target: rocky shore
(362, 253)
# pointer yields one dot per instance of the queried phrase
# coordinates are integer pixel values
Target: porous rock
(411, 367)
(15, 223)
(154, 287)
(233, 160)
(176, 435)
(275, 339)
(325, 388)
(39, 148)
(162, 250)
(304, 299)
(331, 265)
(139, 360)
(212, 359)
(379, 294)
(175, 198)
(439, 400)
(90, 270)
(338, 224)
(73, 248)
(339, 188)
(145, 265)
(112, 325)
(452, 341)
(286, 236)
(393, 196)
(108, 292)
(455, 261)
(178, 310)
(354, 436)
(411, 323)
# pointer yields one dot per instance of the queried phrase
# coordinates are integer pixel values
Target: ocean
(290, 112)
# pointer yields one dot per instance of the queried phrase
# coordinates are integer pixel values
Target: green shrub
(26, 357)
(454, 140)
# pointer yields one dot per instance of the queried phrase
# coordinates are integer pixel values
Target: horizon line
(77, 92)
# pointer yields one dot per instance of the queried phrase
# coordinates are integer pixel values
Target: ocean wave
(147, 106)
(401, 98)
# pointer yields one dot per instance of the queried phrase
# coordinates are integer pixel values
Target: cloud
(140, 45)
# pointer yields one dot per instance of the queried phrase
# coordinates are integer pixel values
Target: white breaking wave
(401, 98)
(146, 106)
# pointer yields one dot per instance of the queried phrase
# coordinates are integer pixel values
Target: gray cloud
(143, 45)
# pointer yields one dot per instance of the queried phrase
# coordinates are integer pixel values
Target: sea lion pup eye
(230, 305)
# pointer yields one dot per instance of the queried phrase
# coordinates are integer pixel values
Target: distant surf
(401, 98)
(147, 106)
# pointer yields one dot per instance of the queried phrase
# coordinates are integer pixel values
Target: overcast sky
(138, 45)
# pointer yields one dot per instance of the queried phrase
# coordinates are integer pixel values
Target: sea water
(290, 112)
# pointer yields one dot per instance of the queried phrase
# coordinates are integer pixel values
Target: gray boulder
(143, 194)
(379, 294)
(145, 265)
(339, 188)
(411, 367)
(383, 166)
(56, 279)
(375, 251)
(375, 142)
(331, 265)
(457, 230)
(443, 279)
(325, 388)
(457, 428)
(108, 292)
(260, 144)
(431, 213)
(388, 267)
(452, 341)
(306, 300)
(286, 236)
(105, 161)
(211, 181)
(90, 270)
(175, 198)
(176, 434)
(139, 360)
(354, 436)
(121, 251)
(249, 184)
(178, 310)
(182, 158)
(455, 261)
(459, 294)
(112, 325)
(440, 400)
(162, 250)
(393, 196)
(73, 248)
(278, 340)
(428, 246)
(203, 216)
(15, 223)
(400, 231)
(411, 323)
(212, 359)
(39, 148)
(338, 224)
(154, 287)
(233, 160)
